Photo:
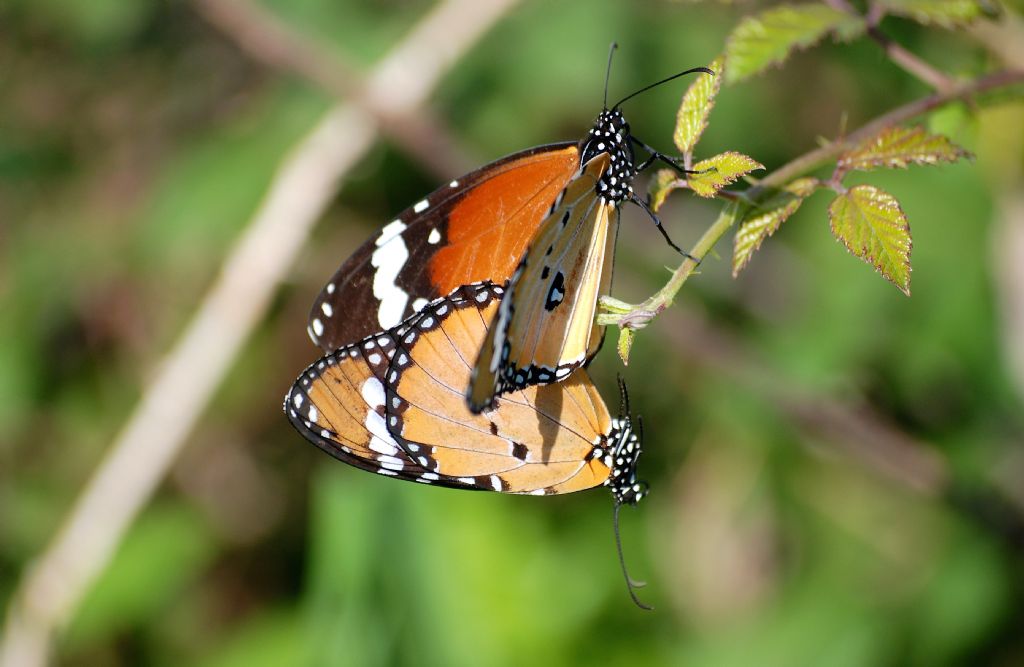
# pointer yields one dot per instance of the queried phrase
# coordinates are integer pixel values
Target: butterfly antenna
(631, 585)
(608, 72)
(665, 80)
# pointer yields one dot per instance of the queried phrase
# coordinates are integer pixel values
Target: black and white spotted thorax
(624, 448)
(610, 134)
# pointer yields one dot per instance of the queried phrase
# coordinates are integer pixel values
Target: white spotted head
(611, 135)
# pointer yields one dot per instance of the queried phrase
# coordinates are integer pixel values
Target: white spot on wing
(318, 327)
(373, 392)
(326, 307)
(453, 184)
(434, 237)
(330, 288)
(381, 440)
(390, 462)
(390, 231)
(421, 205)
(418, 304)
(389, 258)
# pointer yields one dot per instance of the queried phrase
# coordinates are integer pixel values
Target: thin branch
(267, 39)
(910, 62)
(1004, 38)
(818, 157)
(635, 316)
(899, 55)
(52, 588)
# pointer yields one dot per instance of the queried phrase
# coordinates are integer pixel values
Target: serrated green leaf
(896, 147)
(762, 221)
(768, 38)
(692, 118)
(664, 182)
(719, 171)
(873, 226)
(945, 13)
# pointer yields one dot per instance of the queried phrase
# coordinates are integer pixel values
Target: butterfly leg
(667, 159)
(657, 223)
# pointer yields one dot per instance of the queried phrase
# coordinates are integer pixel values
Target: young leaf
(899, 146)
(664, 182)
(720, 171)
(768, 38)
(945, 13)
(872, 225)
(625, 344)
(697, 103)
(762, 221)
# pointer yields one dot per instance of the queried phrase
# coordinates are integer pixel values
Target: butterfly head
(610, 135)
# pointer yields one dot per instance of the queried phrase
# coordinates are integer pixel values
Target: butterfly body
(545, 326)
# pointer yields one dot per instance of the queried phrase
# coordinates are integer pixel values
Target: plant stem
(637, 316)
(910, 62)
(814, 159)
(896, 53)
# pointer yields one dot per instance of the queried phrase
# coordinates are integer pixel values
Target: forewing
(474, 229)
(545, 328)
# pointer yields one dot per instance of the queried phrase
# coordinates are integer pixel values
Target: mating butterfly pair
(456, 338)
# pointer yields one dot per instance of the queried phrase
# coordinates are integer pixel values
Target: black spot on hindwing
(556, 292)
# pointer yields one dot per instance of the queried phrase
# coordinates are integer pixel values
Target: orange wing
(474, 229)
(393, 404)
(545, 326)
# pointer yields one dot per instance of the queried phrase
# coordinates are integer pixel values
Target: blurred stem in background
(138, 459)
(873, 431)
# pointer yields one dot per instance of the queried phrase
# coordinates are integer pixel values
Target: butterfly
(544, 221)
(392, 403)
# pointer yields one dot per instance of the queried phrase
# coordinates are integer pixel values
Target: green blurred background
(837, 471)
